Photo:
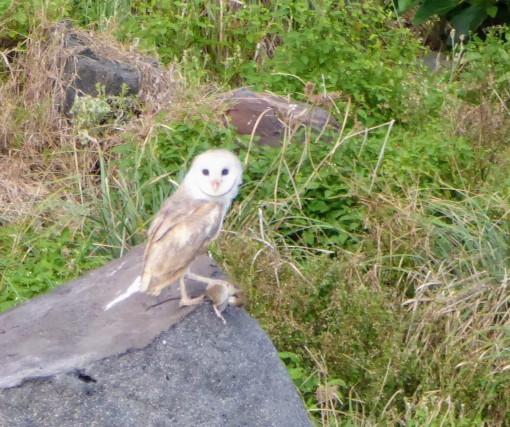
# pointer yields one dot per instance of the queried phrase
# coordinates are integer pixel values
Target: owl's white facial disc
(216, 174)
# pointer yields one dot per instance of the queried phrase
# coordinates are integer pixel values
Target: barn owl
(187, 221)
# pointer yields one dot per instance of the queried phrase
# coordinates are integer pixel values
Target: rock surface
(269, 117)
(66, 361)
(86, 68)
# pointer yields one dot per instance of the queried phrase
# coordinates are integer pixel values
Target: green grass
(408, 321)
(46, 245)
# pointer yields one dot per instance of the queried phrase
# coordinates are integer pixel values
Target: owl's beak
(215, 184)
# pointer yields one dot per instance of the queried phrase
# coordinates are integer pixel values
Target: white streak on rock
(134, 287)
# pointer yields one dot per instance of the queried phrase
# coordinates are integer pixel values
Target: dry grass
(432, 286)
(450, 260)
(43, 149)
(487, 122)
(18, 192)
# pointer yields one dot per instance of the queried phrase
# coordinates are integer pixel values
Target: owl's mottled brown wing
(178, 232)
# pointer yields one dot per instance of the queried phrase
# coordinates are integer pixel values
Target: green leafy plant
(479, 108)
(429, 157)
(220, 36)
(181, 140)
(100, 14)
(465, 16)
(91, 115)
(38, 259)
(18, 17)
(282, 45)
(351, 50)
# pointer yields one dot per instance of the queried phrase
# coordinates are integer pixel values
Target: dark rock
(66, 361)
(85, 69)
(267, 116)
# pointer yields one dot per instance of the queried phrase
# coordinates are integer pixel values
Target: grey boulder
(66, 361)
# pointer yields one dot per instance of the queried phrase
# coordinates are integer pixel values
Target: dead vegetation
(18, 192)
(39, 144)
(422, 310)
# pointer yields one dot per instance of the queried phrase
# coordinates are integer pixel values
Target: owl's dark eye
(224, 172)
(205, 172)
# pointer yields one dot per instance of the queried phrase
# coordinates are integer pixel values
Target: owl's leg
(185, 299)
(206, 280)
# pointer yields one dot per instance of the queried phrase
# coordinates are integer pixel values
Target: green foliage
(348, 48)
(14, 21)
(304, 192)
(267, 43)
(222, 36)
(18, 17)
(133, 186)
(480, 86)
(465, 16)
(299, 371)
(38, 259)
(335, 332)
(485, 70)
(470, 229)
(429, 157)
(98, 14)
(182, 140)
(92, 116)
(303, 202)
(350, 322)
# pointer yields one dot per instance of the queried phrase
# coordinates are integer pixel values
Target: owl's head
(214, 175)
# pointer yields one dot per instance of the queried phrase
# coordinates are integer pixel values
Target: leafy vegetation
(374, 254)
(465, 16)
(42, 249)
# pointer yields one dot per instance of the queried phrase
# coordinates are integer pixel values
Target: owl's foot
(186, 302)
(185, 299)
